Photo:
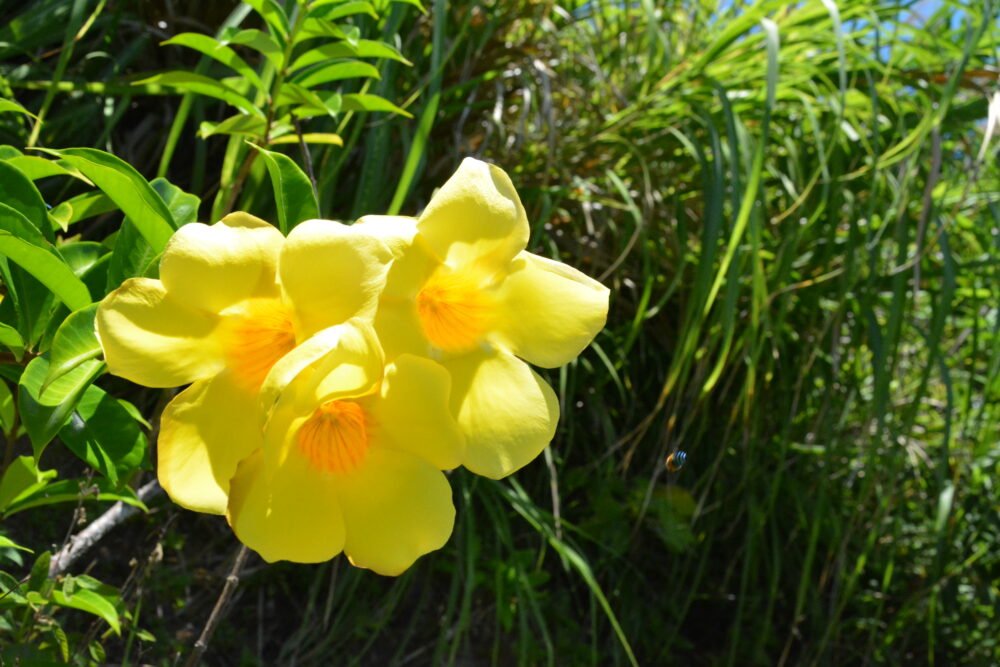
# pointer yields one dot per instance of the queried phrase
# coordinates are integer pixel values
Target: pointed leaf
(102, 433)
(47, 269)
(190, 82)
(259, 41)
(273, 15)
(217, 51)
(90, 602)
(127, 188)
(335, 72)
(18, 192)
(44, 414)
(293, 192)
(75, 342)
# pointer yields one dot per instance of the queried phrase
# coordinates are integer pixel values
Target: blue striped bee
(676, 461)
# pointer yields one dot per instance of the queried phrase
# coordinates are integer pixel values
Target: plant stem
(232, 579)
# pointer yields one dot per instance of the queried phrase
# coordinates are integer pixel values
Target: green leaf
(365, 48)
(220, 52)
(20, 193)
(46, 268)
(313, 103)
(75, 342)
(313, 28)
(366, 102)
(316, 9)
(68, 491)
(11, 339)
(127, 188)
(183, 206)
(7, 543)
(412, 3)
(273, 15)
(293, 193)
(43, 414)
(81, 207)
(335, 72)
(90, 602)
(35, 167)
(7, 410)
(22, 478)
(190, 82)
(9, 105)
(103, 433)
(241, 124)
(40, 571)
(310, 138)
(259, 41)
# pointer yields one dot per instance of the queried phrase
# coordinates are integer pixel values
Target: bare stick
(80, 543)
(232, 579)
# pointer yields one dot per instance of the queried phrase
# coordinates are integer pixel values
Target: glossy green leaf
(35, 168)
(9, 105)
(22, 478)
(43, 414)
(102, 433)
(273, 15)
(127, 188)
(68, 491)
(259, 41)
(47, 268)
(81, 207)
(335, 72)
(293, 193)
(366, 102)
(321, 9)
(90, 602)
(7, 543)
(310, 138)
(240, 124)
(75, 342)
(217, 51)
(311, 103)
(8, 411)
(11, 339)
(365, 48)
(313, 28)
(20, 193)
(189, 82)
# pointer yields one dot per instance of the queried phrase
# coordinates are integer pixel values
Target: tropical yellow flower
(352, 456)
(463, 290)
(220, 316)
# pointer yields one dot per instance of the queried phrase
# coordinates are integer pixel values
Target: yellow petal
(396, 231)
(204, 433)
(155, 340)
(212, 267)
(341, 361)
(548, 312)
(396, 508)
(507, 413)
(411, 414)
(398, 328)
(331, 272)
(476, 218)
(286, 513)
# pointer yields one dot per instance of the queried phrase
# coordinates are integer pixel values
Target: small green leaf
(190, 82)
(68, 491)
(22, 478)
(103, 433)
(413, 3)
(43, 414)
(293, 192)
(39, 571)
(313, 103)
(342, 9)
(7, 543)
(218, 51)
(20, 193)
(127, 188)
(365, 48)
(7, 410)
(273, 15)
(259, 41)
(81, 207)
(241, 124)
(92, 603)
(9, 105)
(310, 138)
(75, 342)
(365, 102)
(335, 72)
(11, 339)
(47, 268)
(313, 28)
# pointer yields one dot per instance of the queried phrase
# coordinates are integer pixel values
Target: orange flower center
(335, 437)
(260, 335)
(454, 310)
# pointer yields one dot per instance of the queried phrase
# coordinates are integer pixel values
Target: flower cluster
(336, 373)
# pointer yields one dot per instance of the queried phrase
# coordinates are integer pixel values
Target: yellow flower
(351, 458)
(220, 316)
(463, 290)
